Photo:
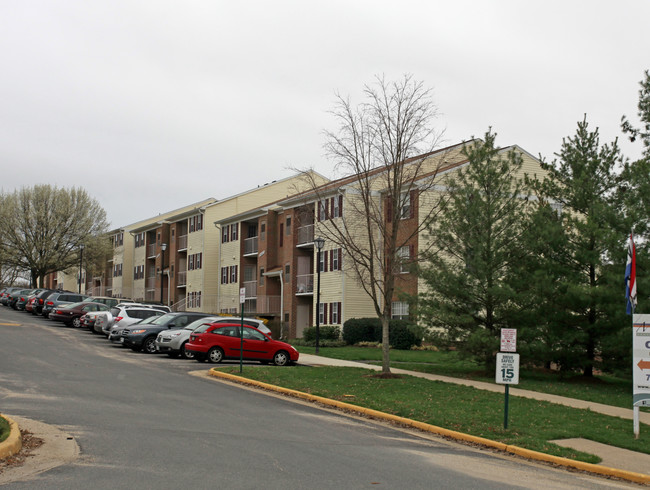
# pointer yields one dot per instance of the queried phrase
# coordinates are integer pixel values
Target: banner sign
(641, 360)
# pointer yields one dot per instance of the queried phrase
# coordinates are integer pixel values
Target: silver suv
(172, 342)
(123, 316)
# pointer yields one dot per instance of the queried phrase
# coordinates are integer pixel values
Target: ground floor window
(400, 310)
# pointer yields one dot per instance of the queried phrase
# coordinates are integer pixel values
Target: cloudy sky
(153, 105)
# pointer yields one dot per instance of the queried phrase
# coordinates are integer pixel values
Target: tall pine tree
(469, 272)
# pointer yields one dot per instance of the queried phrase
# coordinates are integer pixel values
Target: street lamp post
(319, 243)
(81, 262)
(163, 247)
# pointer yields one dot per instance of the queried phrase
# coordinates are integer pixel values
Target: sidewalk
(611, 456)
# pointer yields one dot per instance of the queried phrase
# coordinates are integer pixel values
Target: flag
(630, 276)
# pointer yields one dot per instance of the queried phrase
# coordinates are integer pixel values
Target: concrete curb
(12, 444)
(525, 453)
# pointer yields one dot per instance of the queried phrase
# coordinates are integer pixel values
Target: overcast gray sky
(153, 105)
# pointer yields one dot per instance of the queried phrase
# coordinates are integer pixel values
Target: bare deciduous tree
(385, 144)
(42, 228)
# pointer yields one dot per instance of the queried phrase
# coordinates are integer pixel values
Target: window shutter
(340, 259)
(412, 198)
(331, 207)
(412, 252)
(318, 211)
(331, 260)
(331, 309)
(324, 261)
(324, 312)
(340, 321)
(341, 205)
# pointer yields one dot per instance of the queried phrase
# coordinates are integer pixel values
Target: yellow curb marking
(11, 324)
(526, 453)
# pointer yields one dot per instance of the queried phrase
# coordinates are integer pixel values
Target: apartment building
(269, 251)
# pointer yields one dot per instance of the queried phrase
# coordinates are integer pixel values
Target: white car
(123, 316)
(172, 342)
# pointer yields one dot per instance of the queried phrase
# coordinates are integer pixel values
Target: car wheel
(76, 322)
(215, 355)
(185, 353)
(149, 345)
(281, 358)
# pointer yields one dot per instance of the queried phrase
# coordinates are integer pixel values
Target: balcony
(250, 246)
(151, 283)
(251, 289)
(181, 277)
(305, 236)
(151, 251)
(263, 305)
(305, 285)
(181, 243)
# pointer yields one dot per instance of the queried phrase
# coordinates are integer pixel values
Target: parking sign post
(507, 366)
(242, 300)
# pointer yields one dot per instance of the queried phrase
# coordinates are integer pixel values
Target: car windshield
(149, 319)
(202, 328)
(199, 322)
(73, 305)
(161, 320)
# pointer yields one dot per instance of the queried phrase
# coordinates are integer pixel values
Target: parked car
(172, 342)
(61, 298)
(143, 337)
(221, 341)
(123, 316)
(39, 301)
(22, 302)
(88, 320)
(71, 314)
(29, 306)
(20, 295)
(115, 333)
(107, 300)
(153, 306)
(4, 297)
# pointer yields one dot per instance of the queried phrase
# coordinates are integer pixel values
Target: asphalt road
(144, 421)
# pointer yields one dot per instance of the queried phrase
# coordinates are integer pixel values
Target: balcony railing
(263, 305)
(250, 246)
(151, 250)
(182, 278)
(151, 283)
(251, 289)
(305, 284)
(305, 234)
(182, 242)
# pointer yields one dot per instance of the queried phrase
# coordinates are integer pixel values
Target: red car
(71, 314)
(218, 341)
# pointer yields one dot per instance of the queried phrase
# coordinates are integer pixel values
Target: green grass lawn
(4, 429)
(531, 423)
(601, 389)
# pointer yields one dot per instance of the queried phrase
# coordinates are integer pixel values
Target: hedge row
(401, 332)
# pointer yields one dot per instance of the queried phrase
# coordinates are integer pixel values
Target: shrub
(327, 332)
(403, 334)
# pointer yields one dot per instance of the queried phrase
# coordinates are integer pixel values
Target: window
(322, 311)
(335, 207)
(322, 210)
(406, 206)
(322, 261)
(233, 273)
(335, 259)
(190, 263)
(288, 225)
(400, 310)
(263, 231)
(198, 260)
(234, 232)
(261, 276)
(287, 273)
(403, 259)
(195, 223)
(335, 313)
(225, 233)
(224, 275)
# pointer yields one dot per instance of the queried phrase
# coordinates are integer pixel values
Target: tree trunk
(385, 345)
